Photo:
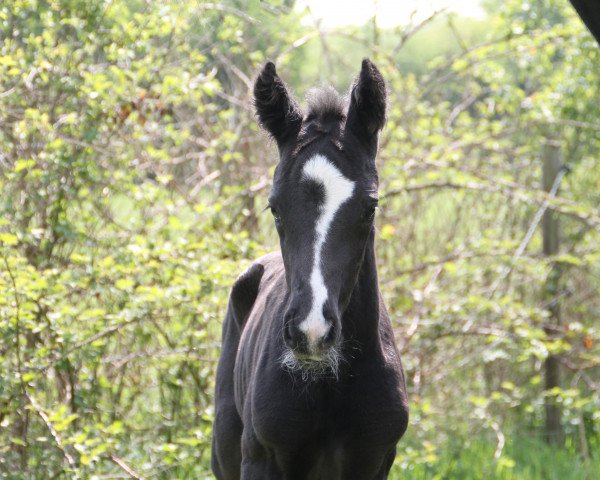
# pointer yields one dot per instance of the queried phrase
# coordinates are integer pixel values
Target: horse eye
(275, 213)
(370, 211)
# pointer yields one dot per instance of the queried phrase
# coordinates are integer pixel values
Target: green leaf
(23, 164)
(8, 239)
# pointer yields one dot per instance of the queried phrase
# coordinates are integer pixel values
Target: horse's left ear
(366, 113)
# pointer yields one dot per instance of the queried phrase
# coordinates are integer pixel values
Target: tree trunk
(552, 167)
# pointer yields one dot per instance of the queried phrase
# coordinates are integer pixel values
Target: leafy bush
(133, 179)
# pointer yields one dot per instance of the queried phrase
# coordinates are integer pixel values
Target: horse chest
(286, 414)
(372, 413)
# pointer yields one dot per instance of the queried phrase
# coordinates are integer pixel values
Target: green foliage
(133, 179)
(113, 283)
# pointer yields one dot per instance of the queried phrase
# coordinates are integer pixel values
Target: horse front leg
(387, 465)
(365, 464)
(257, 462)
(257, 469)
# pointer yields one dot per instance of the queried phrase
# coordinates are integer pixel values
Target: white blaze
(337, 189)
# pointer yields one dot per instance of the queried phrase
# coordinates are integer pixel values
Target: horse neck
(361, 318)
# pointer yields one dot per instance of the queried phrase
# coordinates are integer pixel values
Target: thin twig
(57, 439)
(515, 191)
(452, 258)
(228, 9)
(126, 468)
(107, 331)
(410, 32)
(501, 441)
(296, 44)
(237, 72)
(7, 92)
(17, 320)
(528, 236)
(570, 123)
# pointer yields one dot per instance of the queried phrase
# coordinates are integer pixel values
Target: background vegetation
(133, 177)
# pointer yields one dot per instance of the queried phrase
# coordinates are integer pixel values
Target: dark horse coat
(309, 382)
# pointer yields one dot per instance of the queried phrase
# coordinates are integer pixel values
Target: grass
(521, 459)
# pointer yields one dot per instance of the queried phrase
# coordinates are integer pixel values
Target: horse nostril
(289, 315)
(288, 327)
(329, 338)
(331, 319)
(287, 333)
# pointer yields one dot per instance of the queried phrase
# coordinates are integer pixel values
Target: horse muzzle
(311, 336)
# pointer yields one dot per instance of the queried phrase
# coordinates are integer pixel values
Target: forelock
(325, 103)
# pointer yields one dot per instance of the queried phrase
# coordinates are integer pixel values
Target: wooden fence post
(552, 166)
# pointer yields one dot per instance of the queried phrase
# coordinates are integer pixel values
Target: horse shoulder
(244, 292)
(247, 286)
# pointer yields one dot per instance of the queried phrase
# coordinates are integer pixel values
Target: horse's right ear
(277, 111)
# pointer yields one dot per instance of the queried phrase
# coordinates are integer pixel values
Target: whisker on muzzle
(311, 369)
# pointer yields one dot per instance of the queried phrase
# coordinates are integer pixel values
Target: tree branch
(126, 468)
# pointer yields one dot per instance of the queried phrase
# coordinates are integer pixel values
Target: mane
(325, 104)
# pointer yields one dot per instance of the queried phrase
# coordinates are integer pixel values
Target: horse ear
(366, 113)
(277, 111)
